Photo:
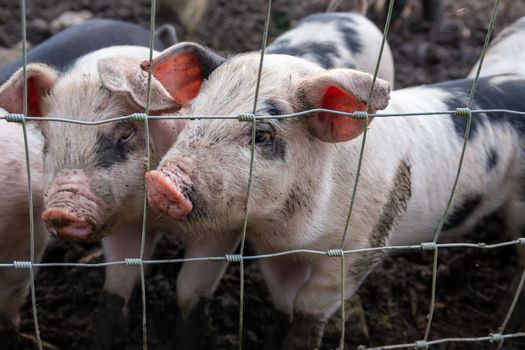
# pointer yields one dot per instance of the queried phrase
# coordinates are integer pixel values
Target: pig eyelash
(264, 134)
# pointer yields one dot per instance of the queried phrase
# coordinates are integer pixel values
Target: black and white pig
(94, 182)
(305, 169)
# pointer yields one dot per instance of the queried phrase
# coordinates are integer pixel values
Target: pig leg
(317, 300)
(110, 318)
(196, 284)
(284, 277)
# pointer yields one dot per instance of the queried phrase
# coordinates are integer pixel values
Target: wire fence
(337, 252)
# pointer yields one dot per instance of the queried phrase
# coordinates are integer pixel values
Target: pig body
(65, 47)
(506, 53)
(304, 175)
(14, 223)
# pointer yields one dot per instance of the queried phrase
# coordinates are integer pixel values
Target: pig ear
(344, 90)
(40, 80)
(123, 75)
(182, 68)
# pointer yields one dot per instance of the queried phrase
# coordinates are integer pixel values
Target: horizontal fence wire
(425, 246)
(12, 117)
(337, 252)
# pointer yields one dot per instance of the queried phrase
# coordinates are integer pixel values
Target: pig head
(93, 174)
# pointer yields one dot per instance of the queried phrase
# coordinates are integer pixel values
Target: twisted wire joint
(22, 264)
(233, 257)
(421, 344)
(360, 115)
(496, 337)
(463, 112)
(428, 246)
(133, 261)
(246, 117)
(15, 118)
(335, 252)
(138, 117)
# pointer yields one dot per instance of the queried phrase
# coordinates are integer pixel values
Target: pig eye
(263, 137)
(126, 136)
(264, 134)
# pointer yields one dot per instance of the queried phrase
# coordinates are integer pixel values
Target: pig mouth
(63, 224)
(168, 192)
(70, 216)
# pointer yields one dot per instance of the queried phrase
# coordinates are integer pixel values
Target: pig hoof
(110, 326)
(9, 336)
(194, 332)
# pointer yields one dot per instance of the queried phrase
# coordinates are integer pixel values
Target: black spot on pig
(392, 211)
(492, 159)
(461, 212)
(320, 53)
(350, 36)
(109, 151)
(396, 205)
(489, 95)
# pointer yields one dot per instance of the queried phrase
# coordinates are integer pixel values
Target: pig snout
(73, 209)
(168, 191)
(65, 225)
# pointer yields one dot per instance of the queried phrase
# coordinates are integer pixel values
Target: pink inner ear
(181, 75)
(338, 128)
(34, 98)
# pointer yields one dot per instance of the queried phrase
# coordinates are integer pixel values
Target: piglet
(94, 175)
(327, 40)
(305, 169)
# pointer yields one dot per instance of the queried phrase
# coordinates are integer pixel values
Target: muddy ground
(471, 283)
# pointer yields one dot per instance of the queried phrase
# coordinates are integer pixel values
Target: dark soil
(472, 284)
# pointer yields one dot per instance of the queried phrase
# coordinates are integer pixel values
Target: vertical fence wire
(148, 157)
(461, 113)
(359, 165)
(23, 8)
(250, 178)
(501, 328)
